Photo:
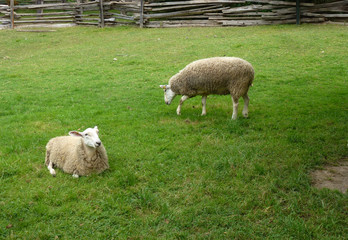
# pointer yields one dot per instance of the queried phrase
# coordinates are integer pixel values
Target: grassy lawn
(174, 177)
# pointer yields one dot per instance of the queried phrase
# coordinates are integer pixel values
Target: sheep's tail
(252, 78)
(47, 158)
(251, 82)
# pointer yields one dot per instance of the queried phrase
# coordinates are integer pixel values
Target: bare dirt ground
(332, 177)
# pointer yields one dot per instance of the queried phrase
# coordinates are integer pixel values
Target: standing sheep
(79, 154)
(218, 75)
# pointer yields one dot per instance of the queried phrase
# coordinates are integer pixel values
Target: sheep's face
(90, 136)
(168, 94)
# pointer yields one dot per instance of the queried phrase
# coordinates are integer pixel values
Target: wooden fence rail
(169, 13)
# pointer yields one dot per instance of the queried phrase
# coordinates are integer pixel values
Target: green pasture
(174, 177)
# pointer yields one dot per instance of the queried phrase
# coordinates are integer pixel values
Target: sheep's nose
(98, 144)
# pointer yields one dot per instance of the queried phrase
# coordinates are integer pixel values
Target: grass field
(174, 177)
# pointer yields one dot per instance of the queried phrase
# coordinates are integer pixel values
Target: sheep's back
(219, 75)
(63, 150)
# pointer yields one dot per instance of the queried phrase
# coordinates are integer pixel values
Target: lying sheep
(79, 154)
(218, 75)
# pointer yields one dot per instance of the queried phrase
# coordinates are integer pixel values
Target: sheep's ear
(163, 86)
(96, 128)
(75, 134)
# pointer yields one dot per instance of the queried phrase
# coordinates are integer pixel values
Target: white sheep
(79, 154)
(217, 75)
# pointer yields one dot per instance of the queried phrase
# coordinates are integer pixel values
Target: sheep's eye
(86, 134)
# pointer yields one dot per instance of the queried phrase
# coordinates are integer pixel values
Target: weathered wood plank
(160, 9)
(44, 21)
(328, 15)
(183, 13)
(280, 3)
(312, 20)
(45, 14)
(250, 14)
(118, 23)
(122, 3)
(328, 9)
(46, 6)
(126, 9)
(233, 18)
(332, 4)
(47, 18)
(88, 23)
(88, 15)
(250, 8)
(337, 23)
(191, 2)
(175, 24)
(121, 16)
(4, 7)
(263, 22)
(88, 4)
(90, 19)
(243, 22)
(194, 17)
(285, 10)
(282, 17)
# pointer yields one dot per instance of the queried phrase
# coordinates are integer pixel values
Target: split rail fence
(168, 13)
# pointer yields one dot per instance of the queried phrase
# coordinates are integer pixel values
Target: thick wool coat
(73, 156)
(218, 75)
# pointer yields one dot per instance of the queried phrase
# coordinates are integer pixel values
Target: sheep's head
(168, 94)
(90, 136)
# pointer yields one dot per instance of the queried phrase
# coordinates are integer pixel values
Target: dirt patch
(332, 177)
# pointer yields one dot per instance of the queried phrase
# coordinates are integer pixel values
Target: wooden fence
(168, 13)
(98, 13)
(239, 13)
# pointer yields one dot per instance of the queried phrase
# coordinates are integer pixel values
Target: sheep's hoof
(75, 176)
(234, 117)
(203, 114)
(53, 173)
(245, 115)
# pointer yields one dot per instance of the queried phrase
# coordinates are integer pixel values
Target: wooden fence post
(12, 13)
(41, 9)
(101, 15)
(141, 13)
(298, 12)
(78, 12)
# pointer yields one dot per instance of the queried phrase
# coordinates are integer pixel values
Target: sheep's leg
(75, 174)
(182, 100)
(235, 108)
(204, 102)
(246, 104)
(50, 168)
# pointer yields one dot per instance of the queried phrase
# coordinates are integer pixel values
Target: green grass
(173, 177)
